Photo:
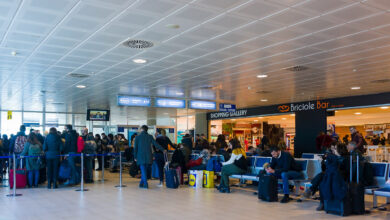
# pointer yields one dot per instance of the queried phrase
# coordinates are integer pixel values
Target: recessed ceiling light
(139, 61)
(336, 111)
(357, 113)
(354, 70)
(81, 86)
(292, 114)
(249, 88)
(262, 76)
(233, 119)
(355, 87)
(179, 93)
(264, 100)
(384, 107)
(173, 26)
(49, 100)
(284, 118)
(190, 116)
(256, 120)
(14, 53)
(261, 117)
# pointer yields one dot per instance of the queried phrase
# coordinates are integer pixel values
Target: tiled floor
(104, 201)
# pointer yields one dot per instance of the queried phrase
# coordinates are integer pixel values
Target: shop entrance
(278, 129)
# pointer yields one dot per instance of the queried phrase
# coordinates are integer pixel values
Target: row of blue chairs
(381, 173)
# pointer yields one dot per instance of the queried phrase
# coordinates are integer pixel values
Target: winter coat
(143, 148)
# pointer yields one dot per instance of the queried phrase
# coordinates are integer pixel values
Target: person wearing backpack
(18, 142)
(89, 148)
(33, 148)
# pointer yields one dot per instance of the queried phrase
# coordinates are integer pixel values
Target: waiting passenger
(70, 147)
(52, 148)
(33, 148)
(204, 155)
(143, 153)
(164, 141)
(358, 139)
(236, 165)
(252, 151)
(284, 166)
(89, 148)
(18, 142)
(187, 141)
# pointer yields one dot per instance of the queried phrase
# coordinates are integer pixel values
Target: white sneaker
(160, 185)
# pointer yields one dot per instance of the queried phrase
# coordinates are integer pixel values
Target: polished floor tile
(105, 201)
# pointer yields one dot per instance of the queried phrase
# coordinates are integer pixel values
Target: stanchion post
(14, 179)
(120, 171)
(103, 166)
(82, 175)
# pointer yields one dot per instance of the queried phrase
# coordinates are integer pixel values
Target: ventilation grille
(138, 44)
(381, 81)
(263, 92)
(297, 68)
(78, 75)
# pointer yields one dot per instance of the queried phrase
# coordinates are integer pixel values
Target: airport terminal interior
(194, 109)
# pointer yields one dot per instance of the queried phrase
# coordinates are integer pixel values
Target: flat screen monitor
(98, 115)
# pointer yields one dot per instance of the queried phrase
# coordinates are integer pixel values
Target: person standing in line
(99, 150)
(164, 141)
(70, 147)
(143, 153)
(18, 142)
(32, 148)
(89, 148)
(52, 146)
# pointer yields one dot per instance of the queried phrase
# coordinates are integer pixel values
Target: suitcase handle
(351, 167)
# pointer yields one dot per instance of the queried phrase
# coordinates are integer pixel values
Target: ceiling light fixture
(384, 107)
(355, 88)
(256, 120)
(284, 118)
(81, 86)
(354, 70)
(292, 115)
(139, 61)
(14, 53)
(179, 93)
(49, 100)
(357, 113)
(262, 76)
(264, 100)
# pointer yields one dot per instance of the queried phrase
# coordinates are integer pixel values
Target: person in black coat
(284, 166)
(52, 146)
(70, 147)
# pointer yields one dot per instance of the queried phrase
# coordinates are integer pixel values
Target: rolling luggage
(353, 203)
(21, 177)
(134, 169)
(171, 177)
(268, 188)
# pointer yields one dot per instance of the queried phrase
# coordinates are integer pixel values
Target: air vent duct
(138, 44)
(297, 68)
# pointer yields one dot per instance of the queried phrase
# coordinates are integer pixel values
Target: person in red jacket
(323, 142)
(80, 144)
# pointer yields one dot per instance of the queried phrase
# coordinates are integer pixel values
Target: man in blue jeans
(143, 153)
(70, 147)
(284, 166)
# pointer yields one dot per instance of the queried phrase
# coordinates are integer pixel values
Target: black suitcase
(268, 188)
(353, 203)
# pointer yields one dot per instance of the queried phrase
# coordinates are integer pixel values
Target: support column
(308, 124)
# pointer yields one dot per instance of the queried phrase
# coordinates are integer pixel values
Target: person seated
(205, 156)
(266, 152)
(284, 166)
(252, 151)
(237, 164)
(338, 151)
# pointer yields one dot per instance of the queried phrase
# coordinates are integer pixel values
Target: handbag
(241, 163)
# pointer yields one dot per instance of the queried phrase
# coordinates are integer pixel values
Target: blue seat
(381, 173)
(260, 163)
(307, 156)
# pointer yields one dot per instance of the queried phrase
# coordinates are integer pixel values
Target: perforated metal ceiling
(221, 44)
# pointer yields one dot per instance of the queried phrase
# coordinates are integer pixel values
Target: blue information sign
(227, 107)
(170, 103)
(133, 101)
(195, 104)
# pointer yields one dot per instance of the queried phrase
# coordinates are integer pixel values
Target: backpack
(19, 144)
(80, 144)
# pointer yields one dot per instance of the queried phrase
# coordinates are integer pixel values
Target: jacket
(143, 148)
(333, 185)
(89, 147)
(32, 163)
(284, 163)
(70, 142)
(164, 141)
(52, 146)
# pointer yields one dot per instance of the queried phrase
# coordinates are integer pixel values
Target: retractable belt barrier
(14, 157)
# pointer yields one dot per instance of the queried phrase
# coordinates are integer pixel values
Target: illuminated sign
(133, 101)
(307, 106)
(238, 113)
(170, 103)
(227, 107)
(202, 105)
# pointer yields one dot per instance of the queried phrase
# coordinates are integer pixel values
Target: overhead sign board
(195, 104)
(133, 101)
(227, 107)
(170, 103)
